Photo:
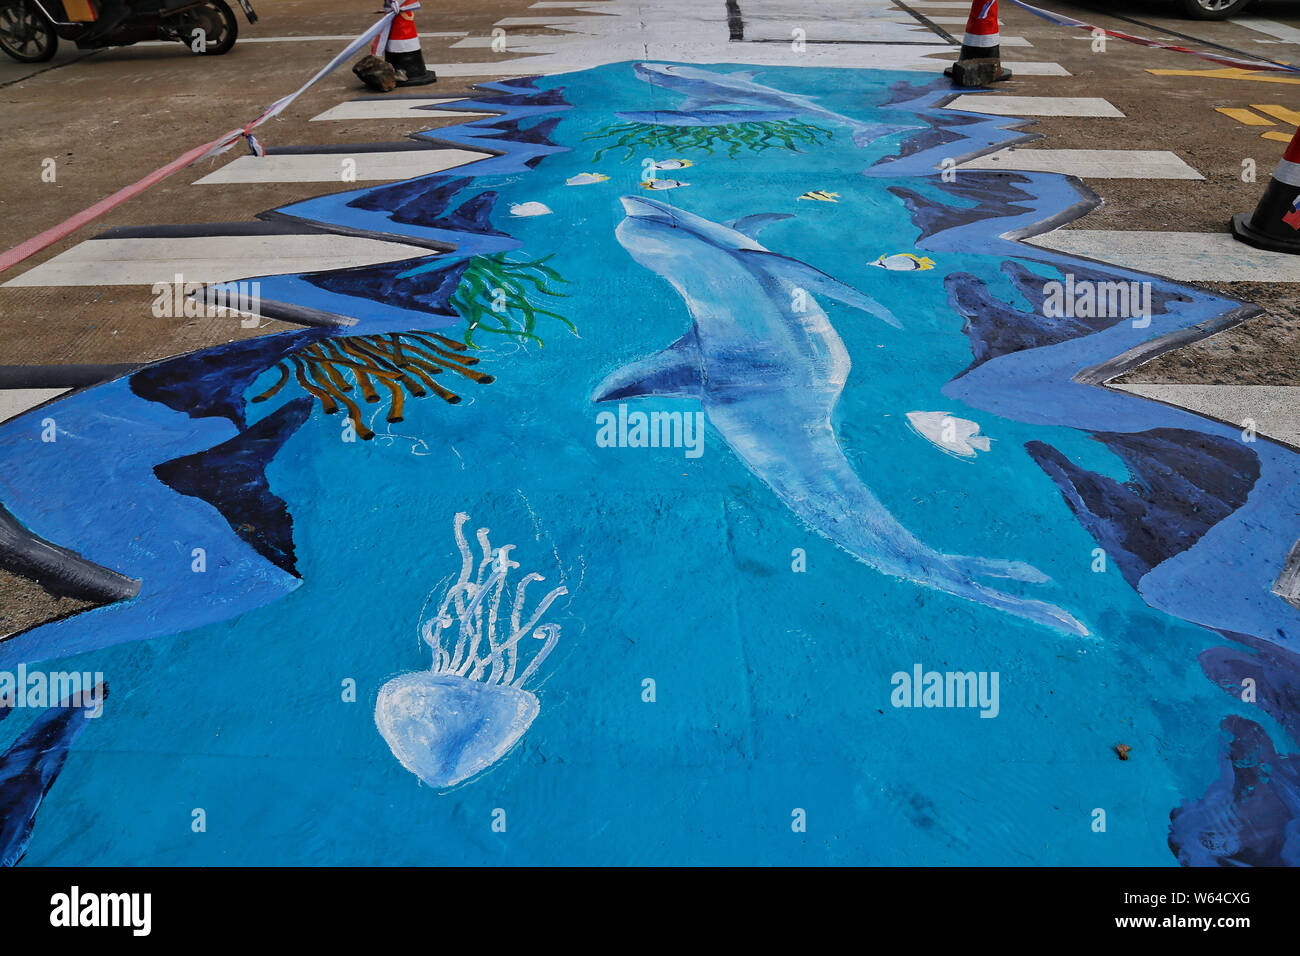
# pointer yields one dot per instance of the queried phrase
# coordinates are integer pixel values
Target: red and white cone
(1275, 224)
(980, 60)
(403, 51)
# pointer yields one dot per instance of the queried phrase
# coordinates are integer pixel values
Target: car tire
(1211, 9)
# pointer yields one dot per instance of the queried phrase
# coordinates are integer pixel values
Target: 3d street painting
(786, 428)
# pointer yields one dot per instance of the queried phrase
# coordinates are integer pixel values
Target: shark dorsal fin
(817, 283)
(672, 373)
(751, 226)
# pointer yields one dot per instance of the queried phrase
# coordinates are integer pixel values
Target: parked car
(1211, 9)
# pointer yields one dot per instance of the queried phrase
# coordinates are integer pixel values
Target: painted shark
(706, 91)
(767, 366)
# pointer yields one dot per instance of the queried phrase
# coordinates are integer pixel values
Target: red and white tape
(70, 225)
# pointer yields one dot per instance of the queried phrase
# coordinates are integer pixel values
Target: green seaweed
(498, 295)
(757, 136)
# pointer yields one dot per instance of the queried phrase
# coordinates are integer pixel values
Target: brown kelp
(331, 369)
(752, 136)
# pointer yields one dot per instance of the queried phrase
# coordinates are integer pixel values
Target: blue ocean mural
(763, 489)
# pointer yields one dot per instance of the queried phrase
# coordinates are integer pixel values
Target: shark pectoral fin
(817, 282)
(672, 373)
(998, 568)
(751, 226)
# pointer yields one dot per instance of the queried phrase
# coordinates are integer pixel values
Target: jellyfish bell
(452, 722)
(446, 729)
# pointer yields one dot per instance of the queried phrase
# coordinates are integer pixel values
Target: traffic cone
(980, 60)
(403, 51)
(1275, 224)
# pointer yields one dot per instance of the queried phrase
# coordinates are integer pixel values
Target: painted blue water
(772, 687)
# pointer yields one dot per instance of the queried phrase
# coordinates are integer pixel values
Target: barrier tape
(214, 148)
(1064, 21)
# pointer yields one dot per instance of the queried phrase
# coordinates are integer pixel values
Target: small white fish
(663, 184)
(585, 179)
(672, 164)
(904, 262)
(529, 209)
(958, 436)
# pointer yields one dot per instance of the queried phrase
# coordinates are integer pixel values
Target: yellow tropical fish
(821, 195)
(904, 262)
(663, 184)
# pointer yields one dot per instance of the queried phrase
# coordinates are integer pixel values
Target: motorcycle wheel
(218, 23)
(25, 35)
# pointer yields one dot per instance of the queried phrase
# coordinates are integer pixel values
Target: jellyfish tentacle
(501, 567)
(552, 635)
(456, 592)
(473, 616)
(512, 646)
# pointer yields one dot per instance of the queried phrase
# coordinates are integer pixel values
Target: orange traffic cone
(403, 51)
(980, 60)
(1275, 224)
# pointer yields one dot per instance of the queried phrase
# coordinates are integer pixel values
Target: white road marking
(485, 42)
(1035, 69)
(1001, 105)
(389, 109)
(1188, 256)
(329, 167)
(1274, 409)
(208, 258)
(15, 401)
(1283, 32)
(1090, 163)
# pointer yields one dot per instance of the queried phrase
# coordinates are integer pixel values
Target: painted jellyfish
(458, 718)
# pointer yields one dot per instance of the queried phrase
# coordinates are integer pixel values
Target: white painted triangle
(1271, 410)
(1090, 163)
(389, 109)
(358, 167)
(1187, 256)
(15, 401)
(209, 259)
(999, 104)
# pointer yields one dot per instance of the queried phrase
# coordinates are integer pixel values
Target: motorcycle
(30, 29)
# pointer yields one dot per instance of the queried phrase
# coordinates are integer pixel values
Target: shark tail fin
(979, 441)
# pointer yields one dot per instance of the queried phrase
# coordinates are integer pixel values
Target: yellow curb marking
(1279, 112)
(1244, 116)
(1233, 73)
